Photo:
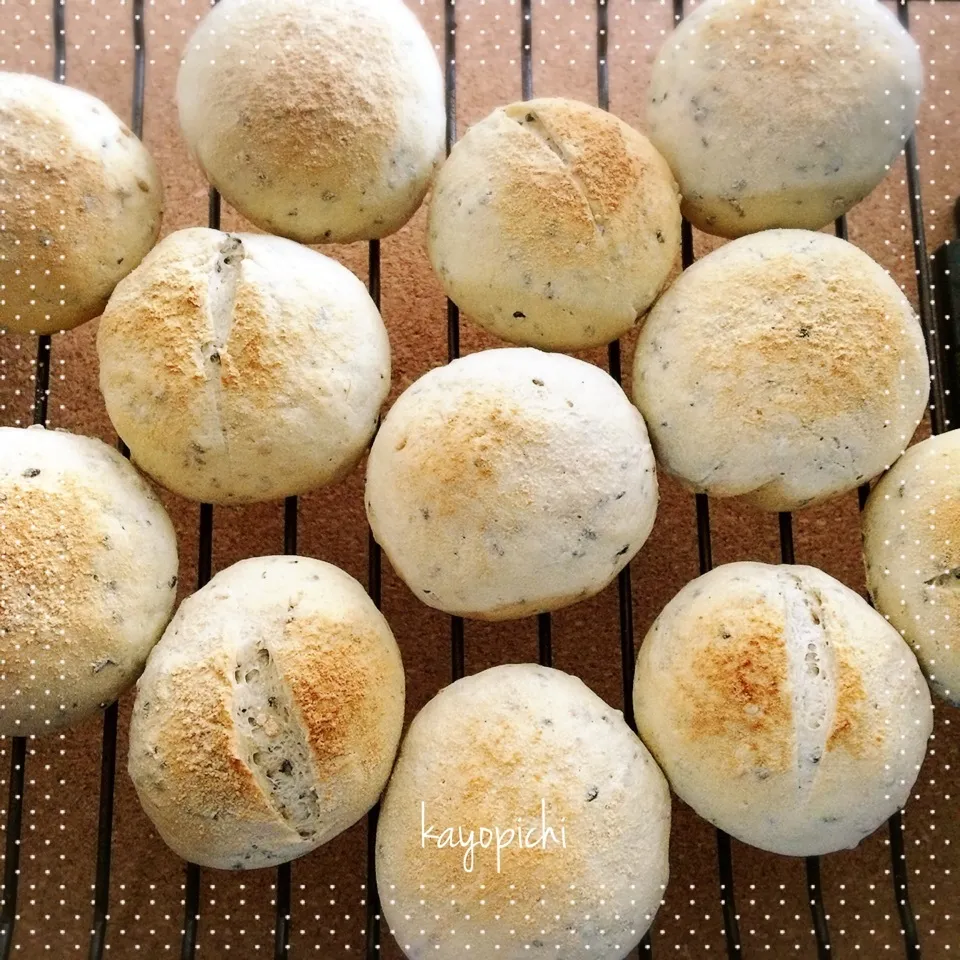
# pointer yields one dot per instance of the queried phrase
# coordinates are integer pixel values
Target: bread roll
(241, 367)
(782, 708)
(511, 482)
(88, 577)
(776, 114)
(269, 714)
(784, 369)
(553, 224)
(319, 120)
(522, 747)
(911, 545)
(88, 203)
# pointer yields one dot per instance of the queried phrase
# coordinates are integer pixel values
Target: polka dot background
(237, 912)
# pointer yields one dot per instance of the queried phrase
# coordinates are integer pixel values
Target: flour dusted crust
(487, 750)
(241, 367)
(911, 539)
(511, 482)
(268, 717)
(554, 224)
(777, 114)
(319, 120)
(83, 204)
(88, 577)
(784, 368)
(782, 707)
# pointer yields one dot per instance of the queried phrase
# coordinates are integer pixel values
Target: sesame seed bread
(553, 224)
(776, 114)
(511, 482)
(523, 741)
(88, 204)
(242, 367)
(911, 548)
(782, 707)
(319, 120)
(268, 717)
(88, 577)
(784, 368)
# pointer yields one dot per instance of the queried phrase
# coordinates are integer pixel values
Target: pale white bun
(83, 202)
(784, 368)
(553, 224)
(88, 577)
(782, 707)
(776, 114)
(242, 367)
(511, 482)
(911, 547)
(319, 120)
(523, 741)
(268, 717)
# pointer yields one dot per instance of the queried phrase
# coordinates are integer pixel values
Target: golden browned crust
(320, 121)
(567, 202)
(792, 321)
(84, 217)
(752, 375)
(461, 459)
(554, 224)
(736, 691)
(782, 115)
(338, 671)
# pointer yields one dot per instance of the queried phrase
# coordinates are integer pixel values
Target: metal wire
(18, 745)
(526, 50)
(615, 366)
(191, 900)
(374, 587)
(281, 927)
(544, 620)
(108, 746)
(731, 924)
(457, 650)
(933, 336)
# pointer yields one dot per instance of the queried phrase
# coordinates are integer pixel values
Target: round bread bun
(784, 368)
(242, 367)
(776, 114)
(522, 747)
(782, 707)
(88, 577)
(511, 482)
(269, 714)
(553, 224)
(319, 120)
(911, 548)
(88, 204)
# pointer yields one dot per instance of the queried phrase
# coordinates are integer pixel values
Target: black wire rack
(943, 396)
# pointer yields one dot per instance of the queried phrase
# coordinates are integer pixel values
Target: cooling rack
(939, 339)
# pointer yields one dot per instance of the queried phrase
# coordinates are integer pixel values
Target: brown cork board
(60, 811)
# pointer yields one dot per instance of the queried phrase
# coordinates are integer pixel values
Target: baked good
(784, 368)
(553, 224)
(242, 367)
(782, 707)
(319, 120)
(88, 577)
(88, 204)
(911, 547)
(531, 750)
(511, 482)
(777, 114)
(268, 717)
